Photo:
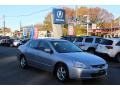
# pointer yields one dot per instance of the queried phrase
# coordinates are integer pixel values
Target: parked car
(69, 38)
(6, 42)
(110, 47)
(88, 43)
(17, 43)
(64, 59)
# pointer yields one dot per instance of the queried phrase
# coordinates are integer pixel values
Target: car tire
(92, 51)
(117, 57)
(23, 62)
(62, 73)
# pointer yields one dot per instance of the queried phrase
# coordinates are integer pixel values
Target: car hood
(83, 57)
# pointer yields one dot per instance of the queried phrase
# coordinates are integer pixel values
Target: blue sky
(16, 10)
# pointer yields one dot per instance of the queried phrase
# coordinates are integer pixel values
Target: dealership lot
(11, 73)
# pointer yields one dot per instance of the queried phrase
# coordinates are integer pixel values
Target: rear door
(44, 59)
(105, 45)
(30, 51)
(78, 41)
(88, 42)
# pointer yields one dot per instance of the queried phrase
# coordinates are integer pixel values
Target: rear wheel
(61, 73)
(91, 50)
(23, 62)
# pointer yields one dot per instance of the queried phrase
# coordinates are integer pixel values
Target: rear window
(106, 42)
(71, 38)
(97, 40)
(79, 39)
(89, 40)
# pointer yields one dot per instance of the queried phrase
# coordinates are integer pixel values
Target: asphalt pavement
(12, 74)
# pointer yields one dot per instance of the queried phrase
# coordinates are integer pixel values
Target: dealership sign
(58, 16)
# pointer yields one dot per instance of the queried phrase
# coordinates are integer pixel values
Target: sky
(32, 14)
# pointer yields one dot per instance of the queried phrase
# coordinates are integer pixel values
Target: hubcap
(23, 63)
(61, 73)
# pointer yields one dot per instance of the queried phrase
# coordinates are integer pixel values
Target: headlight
(78, 64)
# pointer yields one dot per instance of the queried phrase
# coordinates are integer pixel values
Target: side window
(97, 40)
(79, 39)
(118, 44)
(43, 45)
(89, 40)
(33, 44)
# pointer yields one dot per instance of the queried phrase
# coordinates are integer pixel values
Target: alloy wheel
(61, 73)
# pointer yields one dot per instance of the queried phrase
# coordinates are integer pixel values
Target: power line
(22, 15)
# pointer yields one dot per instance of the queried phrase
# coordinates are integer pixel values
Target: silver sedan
(64, 59)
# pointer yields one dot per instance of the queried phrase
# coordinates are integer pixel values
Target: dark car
(69, 38)
(6, 42)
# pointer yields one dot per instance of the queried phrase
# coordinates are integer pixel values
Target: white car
(87, 43)
(110, 47)
(16, 43)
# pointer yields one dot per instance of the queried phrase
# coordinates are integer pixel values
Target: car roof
(90, 36)
(113, 39)
(50, 39)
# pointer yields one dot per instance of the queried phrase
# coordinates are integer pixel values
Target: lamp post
(4, 24)
(87, 23)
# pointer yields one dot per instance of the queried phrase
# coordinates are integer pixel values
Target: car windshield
(65, 47)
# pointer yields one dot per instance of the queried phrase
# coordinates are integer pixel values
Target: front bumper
(78, 73)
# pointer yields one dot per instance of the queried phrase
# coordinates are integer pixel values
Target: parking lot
(12, 74)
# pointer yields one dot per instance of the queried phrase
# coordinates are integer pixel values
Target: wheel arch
(21, 55)
(91, 48)
(58, 63)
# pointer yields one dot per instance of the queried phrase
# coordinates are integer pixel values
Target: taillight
(109, 47)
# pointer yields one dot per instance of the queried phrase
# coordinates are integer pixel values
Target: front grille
(98, 66)
(100, 73)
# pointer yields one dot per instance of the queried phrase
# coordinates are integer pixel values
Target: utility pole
(88, 21)
(4, 24)
(20, 26)
(111, 29)
(76, 12)
(87, 24)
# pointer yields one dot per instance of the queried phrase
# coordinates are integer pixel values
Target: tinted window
(69, 38)
(43, 45)
(97, 40)
(65, 47)
(118, 44)
(106, 42)
(79, 39)
(89, 40)
(33, 44)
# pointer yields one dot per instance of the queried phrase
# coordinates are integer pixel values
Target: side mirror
(47, 50)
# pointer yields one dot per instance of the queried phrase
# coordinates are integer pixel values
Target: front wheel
(62, 73)
(23, 62)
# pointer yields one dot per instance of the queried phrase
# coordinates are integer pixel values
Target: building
(6, 32)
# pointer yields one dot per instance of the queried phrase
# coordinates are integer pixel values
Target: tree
(48, 22)
(96, 15)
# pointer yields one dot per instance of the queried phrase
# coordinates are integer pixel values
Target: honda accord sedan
(64, 59)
